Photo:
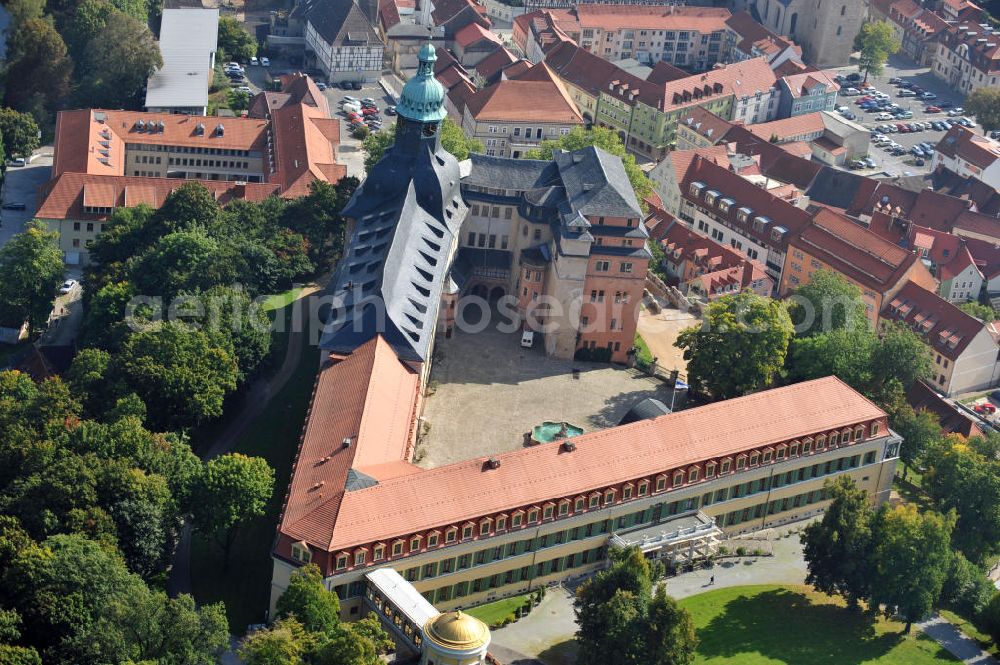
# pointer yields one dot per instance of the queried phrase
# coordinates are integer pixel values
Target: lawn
(643, 354)
(768, 625)
(279, 300)
(245, 585)
(495, 612)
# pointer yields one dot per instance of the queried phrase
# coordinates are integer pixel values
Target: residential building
(568, 230)
(749, 39)
(537, 32)
(951, 263)
(963, 348)
(473, 43)
(471, 531)
(513, 116)
(923, 397)
(286, 143)
(807, 92)
(831, 138)
(668, 176)
(742, 212)
(188, 41)
(825, 30)
(968, 56)
(921, 28)
(454, 15)
(831, 241)
(700, 128)
(968, 154)
(338, 38)
(702, 268)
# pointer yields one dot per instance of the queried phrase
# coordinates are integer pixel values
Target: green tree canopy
(984, 103)
(837, 549)
(89, 19)
(19, 132)
(38, 70)
(235, 41)
(603, 138)
(876, 43)
(233, 488)
(120, 59)
(309, 602)
(184, 373)
(188, 261)
(979, 310)
(827, 302)
(284, 643)
(919, 429)
(912, 552)
(740, 347)
(31, 269)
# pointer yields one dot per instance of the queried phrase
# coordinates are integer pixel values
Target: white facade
(962, 287)
(339, 63)
(975, 369)
(990, 175)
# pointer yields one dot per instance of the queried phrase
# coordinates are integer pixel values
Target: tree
(185, 373)
(31, 269)
(603, 138)
(876, 44)
(38, 70)
(827, 302)
(23, 10)
(19, 132)
(104, 318)
(190, 261)
(453, 140)
(232, 488)
(990, 618)
(912, 554)
(235, 41)
(919, 430)
(309, 602)
(344, 646)
(190, 205)
(959, 478)
(901, 356)
(120, 59)
(984, 103)
(617, 613)
(671, 639)
(89, 376)
(740, 347)
(837, 549)
(230, 312)
(317, 217)
(844, 352)
(966, 590)
(978, 309)
(284, 643)
(89, 19)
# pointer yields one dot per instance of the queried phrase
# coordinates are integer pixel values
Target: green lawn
(492, 613)
(279, 300)
(643, 353)
(768, 625)
(967, 627)
(246, 584)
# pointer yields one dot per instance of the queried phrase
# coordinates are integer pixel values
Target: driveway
(660, 331)
(21, 186)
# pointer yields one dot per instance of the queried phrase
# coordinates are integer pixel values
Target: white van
(528, 339)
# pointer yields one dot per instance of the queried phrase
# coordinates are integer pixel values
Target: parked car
(850, 92)
(884, 116)
(901, 126)
(390, 110)
(967, 122)
(17, 161)
(245, 89)
(906, 84)
(955, 112)
(321, 85)
(904, 115)
(932, 109)
(265, 62)
(347, 99)
(995, 134)
(916, 151)
(895, 80)
(945, 104)
(906, 93)
(369, 111)
(254, 61)
(854, 76)
(68, 286)
(919, 161)
(985, 408)
(849, 116)
(928, 95)
(869, 162)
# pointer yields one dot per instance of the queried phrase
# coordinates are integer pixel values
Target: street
(21, 186)
(922, 76)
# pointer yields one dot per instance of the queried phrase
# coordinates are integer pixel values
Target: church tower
(402, 228)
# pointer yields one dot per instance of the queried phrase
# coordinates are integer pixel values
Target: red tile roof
(791, 129)
(64, 196)
(473, 33)
(652, 17)
(491, 65)
(752, 35)
(706, 124)
(466, 490)
(801, 84)
(971, 147)
(945, 328)
(854, 251)
(535, 96)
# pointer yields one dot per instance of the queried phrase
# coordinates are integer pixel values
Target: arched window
(794, 21)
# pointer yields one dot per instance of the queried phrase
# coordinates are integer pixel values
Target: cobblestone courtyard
(489, 392)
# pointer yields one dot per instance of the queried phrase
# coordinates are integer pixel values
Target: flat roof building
(188, 41)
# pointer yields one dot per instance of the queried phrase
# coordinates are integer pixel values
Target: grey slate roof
(406, 215)
(188, 38)
(519, 174)
(834, 187)
(596, 183)
(646, 409)
(338, 22)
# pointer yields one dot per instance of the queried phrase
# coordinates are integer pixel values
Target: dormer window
(595, 500)
(678, 478)
(579, 504)
(767, 455)
(725, 466)
(741, 462)
(696, 188)
(743, 214)
(693, 474)
(754, 458)
(725, 204)
(378, 553)
(710, 196)
(874, 429)
(710, 470)
(643, 487)
(300, 552)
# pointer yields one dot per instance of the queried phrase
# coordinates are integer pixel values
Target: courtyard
(488, 392)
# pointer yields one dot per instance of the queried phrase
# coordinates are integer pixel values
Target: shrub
(723, 550)
(741, 551)
(361, 133)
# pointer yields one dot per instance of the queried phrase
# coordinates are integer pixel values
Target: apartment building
(969, 155)
(338, 38)
(515, 115)
(963, 348)
(807, 92)
(968, 56)
(750, 39)
(831, 241)
(568, 230)
(473, 531)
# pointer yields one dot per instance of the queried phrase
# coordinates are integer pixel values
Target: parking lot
(21, 187)
(350, 147)
(921, 76)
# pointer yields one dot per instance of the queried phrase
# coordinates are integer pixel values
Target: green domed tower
(421, 105)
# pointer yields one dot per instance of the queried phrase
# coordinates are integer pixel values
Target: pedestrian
(711, 581)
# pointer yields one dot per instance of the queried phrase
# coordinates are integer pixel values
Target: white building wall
(976, 368)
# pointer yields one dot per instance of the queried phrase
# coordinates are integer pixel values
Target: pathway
(260, 393)
(958, 643)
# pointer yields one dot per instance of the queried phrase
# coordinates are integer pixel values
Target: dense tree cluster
(619, 613)
(898, 561)
(309, 631)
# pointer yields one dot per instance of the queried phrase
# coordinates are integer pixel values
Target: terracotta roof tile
(652, 17)
(508, 100)
(945, 328)
(790, 129)
(473, 33)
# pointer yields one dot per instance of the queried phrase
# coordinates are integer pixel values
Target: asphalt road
(21, 186)
(921, 76)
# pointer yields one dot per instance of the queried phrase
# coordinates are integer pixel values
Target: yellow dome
(458, 631)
